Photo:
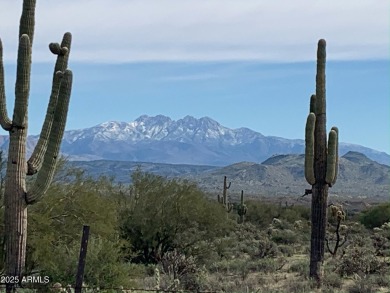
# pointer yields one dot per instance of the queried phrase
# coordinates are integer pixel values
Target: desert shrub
(361, 286)
(286, 250)
(303, 211)
(381, 280)
(356, 228)
(138, 271)
(291, 214)
(376, 216)
(232, 266)
(261, 213)
(266, 265)
(224, 247)
(300, 286)
(331, 265)
(332, 280)
(381, 245)
(105, 267)
(242, 266)
(245, 242)
(181, 268)
(60, 215)
(167, 214)
(206, 253)
(285, 237)
(301, 267)
(360, 258)
(265, 248)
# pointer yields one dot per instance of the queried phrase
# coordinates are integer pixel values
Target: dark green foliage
(286, 250)
(167, 214)
(376, 216)
(332, 280)
(301, 267)
(262, 213)
(285, 237)
(60, 216)
(361, 286)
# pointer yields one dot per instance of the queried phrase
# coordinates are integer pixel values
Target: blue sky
(243, 63)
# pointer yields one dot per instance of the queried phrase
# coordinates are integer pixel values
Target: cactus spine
(44, 157)
(242, 209)
(321, 165)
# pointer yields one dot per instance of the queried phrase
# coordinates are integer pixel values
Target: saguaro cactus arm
(45, 175)
(309, 149)
(312, 104)
(225, 188)
(331, 165)
(27, 20)
(337, 157)
(62, 51)
(22, 87)
(5, 122)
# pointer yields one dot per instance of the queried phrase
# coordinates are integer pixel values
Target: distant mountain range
(189, 140)
(281, 175)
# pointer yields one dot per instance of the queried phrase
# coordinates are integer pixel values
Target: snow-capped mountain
(189, 140)
(162, 128)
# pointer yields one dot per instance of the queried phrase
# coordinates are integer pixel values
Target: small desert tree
(167, 214)
(44, 157)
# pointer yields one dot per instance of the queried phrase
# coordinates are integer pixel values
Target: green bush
(285, 237)
(360, 258)
(55, 228)
(260, 213)
(376, 216)
(301, 267)
(332, 280)
(381, 280)
(286, 250)
(361, 286)
(266, 265)
(167, 214)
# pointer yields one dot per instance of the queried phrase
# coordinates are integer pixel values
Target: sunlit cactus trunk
(44, 157)
(321, 165)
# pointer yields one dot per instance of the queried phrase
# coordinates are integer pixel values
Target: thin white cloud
(204, 30)
(191, 77)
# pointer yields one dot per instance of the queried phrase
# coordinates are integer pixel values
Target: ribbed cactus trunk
(320, 165)
(242, 209)
(44, 157)
(225, 198)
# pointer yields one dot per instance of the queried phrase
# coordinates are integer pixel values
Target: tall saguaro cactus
(321, 165)
(242, 209)
(44, 157)
(224, 200)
